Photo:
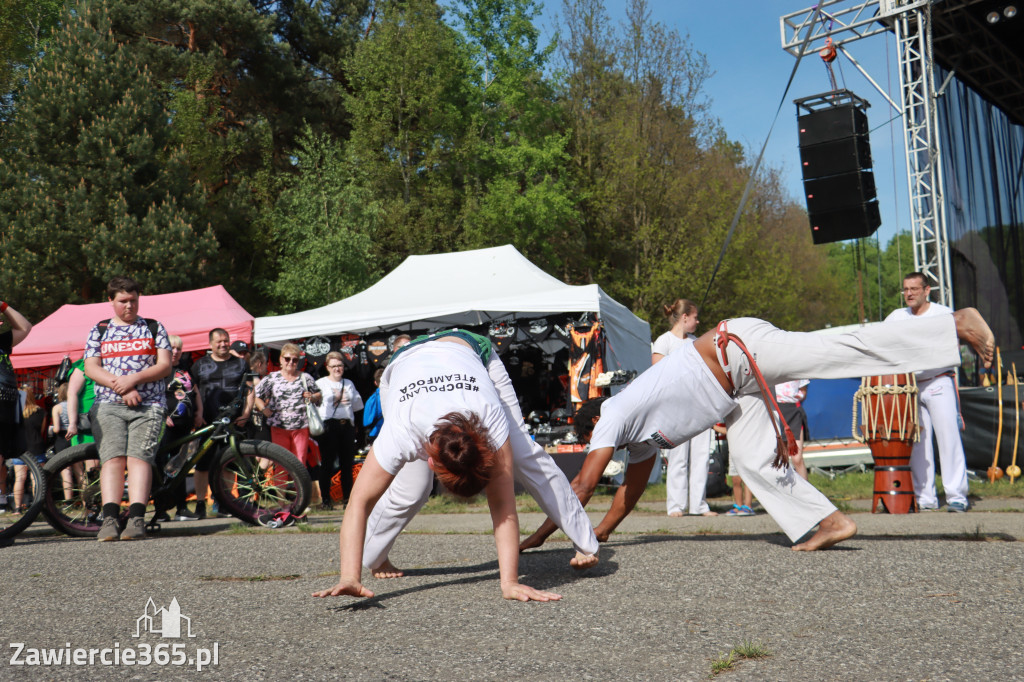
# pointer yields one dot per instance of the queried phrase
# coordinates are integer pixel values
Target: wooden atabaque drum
(889, 408)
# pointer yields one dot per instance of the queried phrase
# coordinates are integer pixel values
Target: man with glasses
(338, 409)
(219, 375)
(939, 413)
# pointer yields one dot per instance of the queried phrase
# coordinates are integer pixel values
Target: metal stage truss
(974, 40)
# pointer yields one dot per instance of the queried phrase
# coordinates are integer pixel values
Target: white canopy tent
(467, 288)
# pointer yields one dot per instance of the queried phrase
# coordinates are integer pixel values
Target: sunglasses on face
(334, 366)
(289, 359)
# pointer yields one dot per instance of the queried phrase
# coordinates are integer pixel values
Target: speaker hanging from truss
(835, 159)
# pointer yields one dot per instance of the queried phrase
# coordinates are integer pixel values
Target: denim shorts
(129, 431)
(20, 461)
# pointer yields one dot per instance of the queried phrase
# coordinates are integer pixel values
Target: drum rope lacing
(873, 410)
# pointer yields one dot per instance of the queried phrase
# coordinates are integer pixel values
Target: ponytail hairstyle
(678, 308)
(462, 454)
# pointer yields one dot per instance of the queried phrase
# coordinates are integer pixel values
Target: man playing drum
(718, 377)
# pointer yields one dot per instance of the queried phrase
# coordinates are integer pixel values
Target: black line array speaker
(835, 159)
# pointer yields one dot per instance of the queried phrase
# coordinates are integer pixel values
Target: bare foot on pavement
(387, 570)
(834, 528)
(582, 561)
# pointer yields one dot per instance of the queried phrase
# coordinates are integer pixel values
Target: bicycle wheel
(259, 480)
(73, 504)
(35, 487)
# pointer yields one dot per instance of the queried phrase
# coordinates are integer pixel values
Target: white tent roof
(465, 289)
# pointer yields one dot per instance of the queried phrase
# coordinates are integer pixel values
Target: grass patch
(247, 578)
(977, 535)
(752, 650)
(306, 527)
(242, 529)
(841, 490)
(713, 531)
(747, 650)
(449, 504)
(722, 663)
(1001, 488)
(856, 485)
(860, 485)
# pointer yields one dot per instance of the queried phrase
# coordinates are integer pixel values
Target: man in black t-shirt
(10, 416)
(219, 375)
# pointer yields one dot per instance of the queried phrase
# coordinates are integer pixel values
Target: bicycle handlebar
(232, 410)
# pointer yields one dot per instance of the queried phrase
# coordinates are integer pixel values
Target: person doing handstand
(449, 409)
(690, 390)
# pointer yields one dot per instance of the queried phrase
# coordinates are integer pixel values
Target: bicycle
(257, 482)
(11, 524)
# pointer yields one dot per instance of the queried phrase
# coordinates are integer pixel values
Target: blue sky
(742, 42)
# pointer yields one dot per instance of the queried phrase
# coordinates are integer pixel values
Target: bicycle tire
(79, 515)
(253, 493)
(9, 526)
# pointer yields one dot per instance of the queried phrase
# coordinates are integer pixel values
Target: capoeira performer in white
(450, 409)
(686, 480)
(939, 413)
(693, 388)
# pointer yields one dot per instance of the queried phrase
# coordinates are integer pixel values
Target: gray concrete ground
(931, 596)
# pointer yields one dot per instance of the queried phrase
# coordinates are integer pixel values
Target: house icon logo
(166, 622)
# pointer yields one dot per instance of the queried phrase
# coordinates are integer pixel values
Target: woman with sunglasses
(281, 398)
(450, 410)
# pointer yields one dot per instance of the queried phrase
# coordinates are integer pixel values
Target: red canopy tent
(189, 314)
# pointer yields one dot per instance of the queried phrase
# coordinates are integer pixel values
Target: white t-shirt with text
(422, 385)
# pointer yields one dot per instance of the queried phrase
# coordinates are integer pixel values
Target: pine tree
(243, 77)
(90, 185)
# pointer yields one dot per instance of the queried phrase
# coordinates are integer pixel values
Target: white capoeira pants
(796, 505)
(939, 415)
(687, 479)
(903, 346)
(532, 467)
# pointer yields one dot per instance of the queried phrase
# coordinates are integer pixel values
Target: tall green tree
(872, 275)
(228, 84)
(409, 127)
(661, 181)
(242, 78)
(90, 183)
(321, 36)
(325, 221)
(517, 187)
(25, 27)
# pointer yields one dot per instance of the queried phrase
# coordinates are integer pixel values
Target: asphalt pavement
(932, 596)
